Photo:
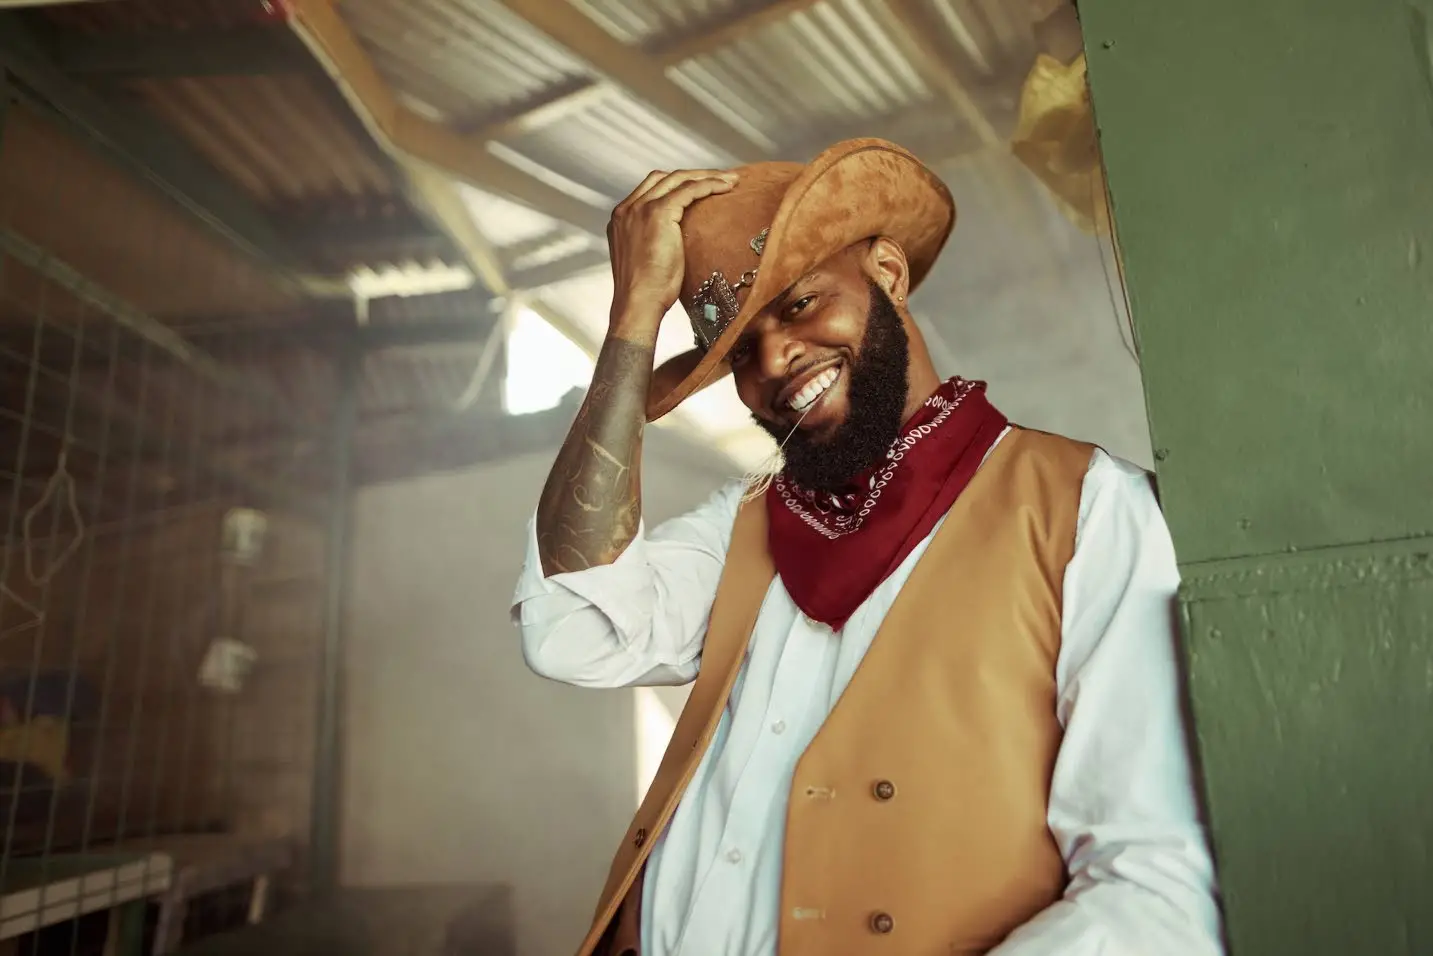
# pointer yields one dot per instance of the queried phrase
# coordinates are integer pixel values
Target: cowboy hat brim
(855, 190)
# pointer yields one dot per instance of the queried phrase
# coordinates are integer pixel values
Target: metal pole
(323, 876)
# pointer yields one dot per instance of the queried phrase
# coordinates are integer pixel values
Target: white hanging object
(226, 665)
(244, 531)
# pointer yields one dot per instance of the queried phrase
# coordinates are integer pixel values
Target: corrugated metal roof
(458, 60)
(996, 31)
(850, 71)
(982, 35)
(639, 22)
(610, 145)
(277, 136)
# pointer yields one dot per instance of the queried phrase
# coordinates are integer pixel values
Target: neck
(923, 382)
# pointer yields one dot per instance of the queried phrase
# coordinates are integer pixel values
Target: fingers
(659, 184)
(682, 196)
(651, 180)
(682, 177)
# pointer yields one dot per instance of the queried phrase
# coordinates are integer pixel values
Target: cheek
(841, 325)
(747, 388)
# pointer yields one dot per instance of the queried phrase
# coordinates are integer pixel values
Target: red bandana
(832, 550)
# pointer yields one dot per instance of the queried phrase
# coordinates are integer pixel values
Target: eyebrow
(786, 293)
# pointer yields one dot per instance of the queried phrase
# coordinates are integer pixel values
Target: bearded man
(936, 706)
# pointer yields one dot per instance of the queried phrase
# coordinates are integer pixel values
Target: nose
(776, 349)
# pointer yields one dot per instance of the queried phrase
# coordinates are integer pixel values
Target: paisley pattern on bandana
(833, 515)
(833, 549)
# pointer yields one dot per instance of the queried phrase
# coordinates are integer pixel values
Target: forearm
(591, 505)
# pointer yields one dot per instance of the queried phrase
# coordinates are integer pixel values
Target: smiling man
(936, 707)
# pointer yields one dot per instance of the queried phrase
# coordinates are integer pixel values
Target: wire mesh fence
(161, 598)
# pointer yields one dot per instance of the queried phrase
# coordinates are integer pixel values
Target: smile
(812, 391)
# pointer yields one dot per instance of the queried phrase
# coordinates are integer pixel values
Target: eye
(800, 305)
(739, 353)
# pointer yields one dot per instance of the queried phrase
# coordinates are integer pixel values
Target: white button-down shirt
(1122, 806)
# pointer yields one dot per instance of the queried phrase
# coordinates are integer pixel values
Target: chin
(823, 434)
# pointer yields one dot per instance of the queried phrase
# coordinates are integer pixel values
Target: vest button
(640, 838)
(883, 790)
(882, 923)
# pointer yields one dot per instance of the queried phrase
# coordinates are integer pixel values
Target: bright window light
(654, 726)
(543, 366)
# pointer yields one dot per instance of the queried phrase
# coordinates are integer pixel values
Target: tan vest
(917, 816)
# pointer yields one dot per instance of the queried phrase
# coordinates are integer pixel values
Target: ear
(886, 265)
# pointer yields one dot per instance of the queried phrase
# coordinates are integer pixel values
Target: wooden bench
(47, 892)
(203, 863)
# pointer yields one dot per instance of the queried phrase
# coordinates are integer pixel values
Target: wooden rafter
(411, 137)
(560, 101)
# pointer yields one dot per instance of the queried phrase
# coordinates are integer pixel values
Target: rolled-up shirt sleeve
(640, 620)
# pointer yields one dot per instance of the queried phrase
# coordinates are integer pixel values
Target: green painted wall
(1271, 165)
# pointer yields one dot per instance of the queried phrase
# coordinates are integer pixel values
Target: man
(936, 707)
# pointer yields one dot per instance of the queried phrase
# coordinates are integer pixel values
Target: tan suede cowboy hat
(780, 222)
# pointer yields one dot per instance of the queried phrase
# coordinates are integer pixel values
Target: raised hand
(645, 235)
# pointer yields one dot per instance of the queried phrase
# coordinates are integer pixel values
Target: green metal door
(1271, 167)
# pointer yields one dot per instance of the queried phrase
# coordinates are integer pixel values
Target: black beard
(876, 387)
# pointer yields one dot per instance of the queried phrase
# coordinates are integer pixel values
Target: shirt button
(733, 856)
(882, 923)
(883, 790)
(779, 727)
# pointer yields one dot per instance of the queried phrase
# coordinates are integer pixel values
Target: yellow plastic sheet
(1055, 139)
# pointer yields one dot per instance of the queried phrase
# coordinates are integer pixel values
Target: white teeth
(814, 389)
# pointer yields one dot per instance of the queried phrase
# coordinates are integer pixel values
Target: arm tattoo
(592, 502)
